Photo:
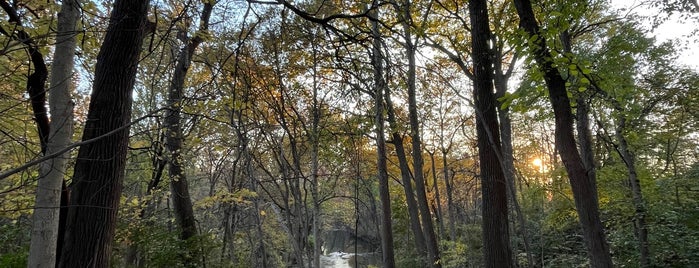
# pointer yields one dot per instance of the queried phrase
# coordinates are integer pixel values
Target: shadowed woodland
(382, 133)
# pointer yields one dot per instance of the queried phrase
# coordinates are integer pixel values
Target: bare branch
(74, 145)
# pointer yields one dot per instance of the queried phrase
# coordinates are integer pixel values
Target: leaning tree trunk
(406, 177)
(184, 213)
(640, 227)
(582, 186)
(496, 237)
(46, 240)
(99, 170)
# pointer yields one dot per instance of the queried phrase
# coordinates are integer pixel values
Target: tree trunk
(99, 170)
(582, 125)
(496, 237)
(583, 189)
(36, 81)
(181, 199)
(418, 161)
(500, 82)
(406, 178)
(44, 248)
(315, 143)
(438, 200)
(384, 193)
(640, 227)
(450, 199)
(510, 177)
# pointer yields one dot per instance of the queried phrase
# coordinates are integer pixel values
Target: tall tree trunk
(52, 200)
(45, 242)
(583, 189)
(437, 198)
(406, 178)
(315, 143)
(416, 143)
(384, 193)
(99, 170)
(496, 237)
(640, 227)
(500, 82)
(582, 125)
(450, 198)
(182, 202)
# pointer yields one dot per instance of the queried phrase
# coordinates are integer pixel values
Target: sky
(674, 29)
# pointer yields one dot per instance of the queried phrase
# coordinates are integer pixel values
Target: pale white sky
(674, 29)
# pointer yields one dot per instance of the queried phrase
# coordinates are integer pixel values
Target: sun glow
(537, 162)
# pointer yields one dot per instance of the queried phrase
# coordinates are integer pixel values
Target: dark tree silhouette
(99, 170)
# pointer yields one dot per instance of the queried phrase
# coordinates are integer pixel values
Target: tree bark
(406, 178)
(99, 170)
(496, 237)
(640, 227)
(182, 202)
(500, 82)
(582, 125)
(315, 143)
(440, 219)
(450, 198)
(46, 240)
(404, 16)
(583, 189)
(384, 193)
(508, 162)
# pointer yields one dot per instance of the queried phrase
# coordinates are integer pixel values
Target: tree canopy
(377, 133)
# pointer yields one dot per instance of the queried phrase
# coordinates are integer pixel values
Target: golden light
(537, 162)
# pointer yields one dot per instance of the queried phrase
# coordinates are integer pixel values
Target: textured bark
(182, 202)
(384, 193)
(496, 237)
(583, 189)
(45, 239)
(582, 125)
(99, 170)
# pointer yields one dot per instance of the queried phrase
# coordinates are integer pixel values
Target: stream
(336, 260)
(347, 260)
